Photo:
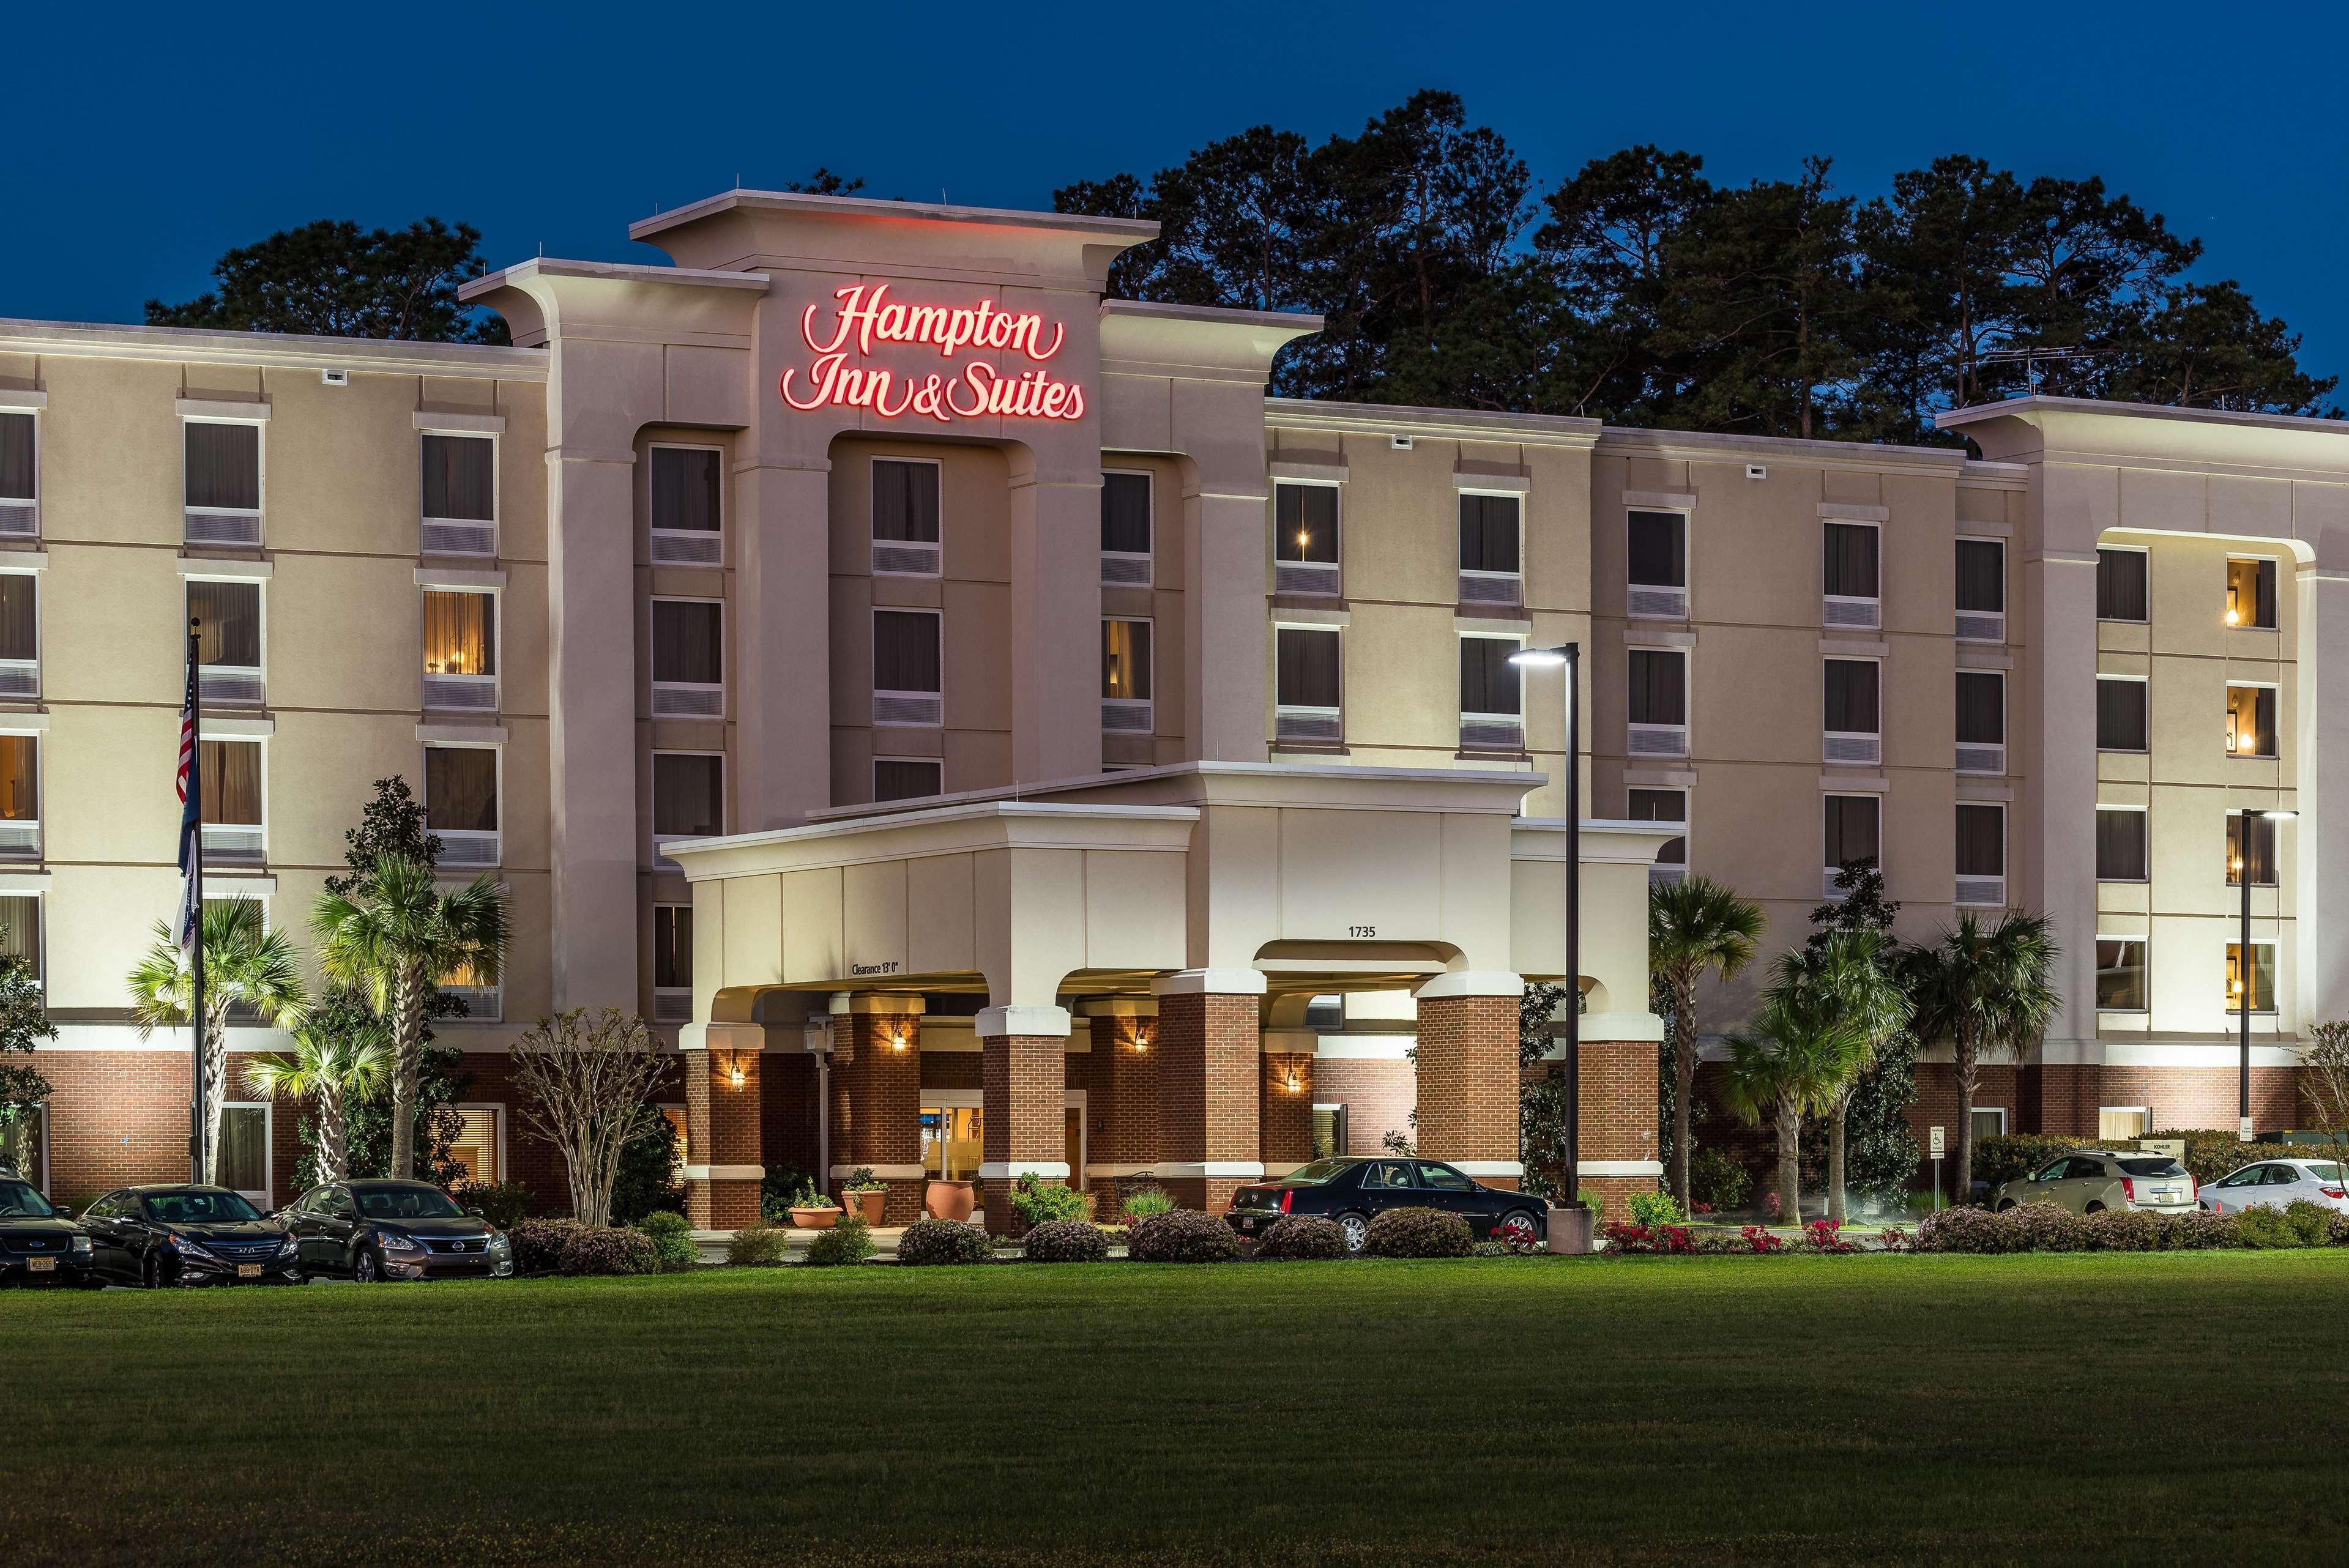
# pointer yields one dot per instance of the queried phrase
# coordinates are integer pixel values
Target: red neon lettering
(865, 315)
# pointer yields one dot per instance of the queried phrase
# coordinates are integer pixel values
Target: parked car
(2279, 1184)
(2090, 1181)
(1353, 1190)
(381, 1230)
(186, 1235)
(39, 1244)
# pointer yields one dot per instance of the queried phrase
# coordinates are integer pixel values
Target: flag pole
(192, 849)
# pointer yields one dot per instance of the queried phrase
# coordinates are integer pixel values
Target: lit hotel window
(461, 650)
(1304, 538)
(2250, 721)
(2252, 595)
(2263, 976)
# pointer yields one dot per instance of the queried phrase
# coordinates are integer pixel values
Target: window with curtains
(1307, 684)
(689, 794)
(461, 803)
(20, 635)
(1307, 518)
(1851, 706)
(2120, 974)
(1982, 721)
(2261, 979)
(1851, 565)
(461, 649)
(2259, 861)
(224, 467)
(1125, 677)
(1852, 830)
(460, 479)
(244, 1151)
(1982, 577)
(673, 946)
(1492, 562)
(1126, 540)
(20, 794)
(1659, 550)
(687, 505)
(1658, 685)
(20, 930)
(2120, 585)
(906, 667)
(2121, 844)
(2121, 714)
(228, 618)
(689, 659)
(20, 475)
(1981, 854)
(1489, 683)
(907, 778)
(2250, 721)
(232, 783)
(905, 517)
(2252, 595)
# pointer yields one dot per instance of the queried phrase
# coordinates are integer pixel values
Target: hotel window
(1981, 855)
(484, 1000)
(2120, 713)
(461, 650)
(907, 667)
(2120, 844)
(20, 930)
(20, 797)
(1492, 565)
(1990, 1122)
(20, 635)
(460, 511)
(228, 641)
(1852, 834)
(1125, 530)
(1125, 677)
(2120, 585)
(461, 803)
(905, 517)
(2252, 593)
(2261, 861)
(244, 1151)
(1663, 805)
(235, 802)
(687, 509)
(1492, 696)
(1656, 574)
(1658, 723)
(2262, 979)
(672, 962)
(2250, 721)
(688, 798)
(907, 778)
(223, 482)
(2120, 974)
(1852, 717)
(1304, 538)
(1328, 1131)
(2121, 1123)
(689, 659)
(1981, 590)
(20, 476)
(1852, 587)
(477, 1147)
(1306, 685)
(1982, 721)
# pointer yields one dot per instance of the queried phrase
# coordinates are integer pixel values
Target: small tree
(1694, 926)
(1984, 990)
(1854, 972)
(1541, 1096)
(392, 823)
(1804, 1048)
(24, 1024)
(584, 1080)
(2325, 1085)
(336, 1060)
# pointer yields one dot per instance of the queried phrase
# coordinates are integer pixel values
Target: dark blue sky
(134, 158)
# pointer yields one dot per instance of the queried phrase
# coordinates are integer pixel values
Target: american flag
(190, 828)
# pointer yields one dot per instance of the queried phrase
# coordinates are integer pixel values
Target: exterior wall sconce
(1141, 1041)
(898, 1042)
(1295, 1087)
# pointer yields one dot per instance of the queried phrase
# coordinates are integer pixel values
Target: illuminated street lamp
(2246, 975)
(1569, 654)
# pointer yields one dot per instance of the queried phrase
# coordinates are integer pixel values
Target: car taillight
(2334, 1192)
(2128, 1191)
(1288, 1193)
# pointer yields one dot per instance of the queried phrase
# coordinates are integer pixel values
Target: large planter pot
(947, 1201)
(815, 1219)
(871, 1203)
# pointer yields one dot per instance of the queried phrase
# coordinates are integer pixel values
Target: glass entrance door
(951, 1138)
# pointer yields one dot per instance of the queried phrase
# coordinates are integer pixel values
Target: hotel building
(990, 736)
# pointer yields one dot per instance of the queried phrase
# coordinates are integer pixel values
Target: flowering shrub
(848, 1241)
(1771, 1204)
(1182, 1236)
(1825, 1237)
(2200, 1232)
(758, 1245)
(2122, 1231)
(931, 1241)
(1699, 1206)
(1511, 1242)
(1622, 1238)
(1893, 1239)
(1759, 1240)
(1968, 1231)
(538, 1245)
(1065, 1242)
(1302, 1237)
(614, 1251)
(2044, 1227)
(1420, 1233)
(1049, 1202)
(2049, 1227)
(672, 1238)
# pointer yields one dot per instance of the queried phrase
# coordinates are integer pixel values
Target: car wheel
(1518, 1228)
(1357, 1231)
(2005, 1204)
(151, 1274)
(2094, 1209)
(364, 1269)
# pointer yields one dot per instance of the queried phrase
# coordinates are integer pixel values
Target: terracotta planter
(947, 1201)
(871, 1203)
(815, 1219)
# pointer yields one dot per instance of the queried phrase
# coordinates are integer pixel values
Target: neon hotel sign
(868, 316)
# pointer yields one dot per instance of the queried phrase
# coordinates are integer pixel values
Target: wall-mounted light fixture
(898, 1042)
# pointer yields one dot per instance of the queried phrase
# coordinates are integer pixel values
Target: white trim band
(881, 1173)
(1003, 1023)
(1012, 1169)
(1246, 1170)
(1111, 1172)
(443, 423)
(221, 409)
(1619, 1166)
(1209, 983)
(1484, 1167)
(721, 1037)
(725, 1172)
(1474, 983)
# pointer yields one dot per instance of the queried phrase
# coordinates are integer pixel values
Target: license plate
(2165, 1195)
(248, 1271)
(42, 1265)
(1247, 1225)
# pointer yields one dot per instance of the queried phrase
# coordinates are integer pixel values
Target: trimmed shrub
(849, 1241)
(2049, 1227)
(2123, 1231)
(928, 1242)
(1968, 1231)
(672, 1239)
(611, 1251)
(538, 1245)
(504, 1204)
(2304, 1224)
(1302, 1237)
(1144, 1201)
(1182, 1236)
(1049, 1202)
(759, 1246)
(1420, 1233)
(1065, 1242)
(2199, 1232)
(1653, 1208)
(1718, 1181)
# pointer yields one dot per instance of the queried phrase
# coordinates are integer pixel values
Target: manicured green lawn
(2117, 1410)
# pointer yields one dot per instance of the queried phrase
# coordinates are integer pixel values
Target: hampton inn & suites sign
(866, 317)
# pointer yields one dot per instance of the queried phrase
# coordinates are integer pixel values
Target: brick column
(1468, 1075)
(1208, 1142)
(1024, 1100)
(1123, 1107)
(1618, 1157)
(876, 1067)
(723, 1164)
(1284, 1112)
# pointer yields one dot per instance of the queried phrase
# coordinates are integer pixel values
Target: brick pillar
(1123, 1108)
(1208, 1142)
(1468, 1075)
(1024, 1100)
(1284, 1107)
(723, 1162)
(1617, 1156)
(876, 1067)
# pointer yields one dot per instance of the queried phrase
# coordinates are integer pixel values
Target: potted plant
(947, 1200)
(867, 1193)
(812, 1209)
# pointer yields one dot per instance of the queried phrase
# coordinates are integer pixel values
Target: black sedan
(189, 1235)
(39, 1245)
(380, 1230)
(1354, 1189)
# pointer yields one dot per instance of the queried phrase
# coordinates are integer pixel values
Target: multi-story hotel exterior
(990, 736)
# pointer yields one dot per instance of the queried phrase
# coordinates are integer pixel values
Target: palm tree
(398, 942)
(1694, 926)
(1854, 971)
(1802, 1050)
(1986, 991)
(334, 1063)
(246, 966)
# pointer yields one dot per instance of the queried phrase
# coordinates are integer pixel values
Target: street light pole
(1568, 656)
(2246, 971)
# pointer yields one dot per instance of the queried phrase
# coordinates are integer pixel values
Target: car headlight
(500, 1247)
(393, 1241)
(80, 1244)
(287, 1248)
(179, 1243)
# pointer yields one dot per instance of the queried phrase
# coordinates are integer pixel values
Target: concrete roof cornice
(1710, 446)
(1132, 231)
(1437, 424)
(959, 828)
(2026, 408)
(539, 267)
(1141, 337)
(205, 346)
(2157, 436)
